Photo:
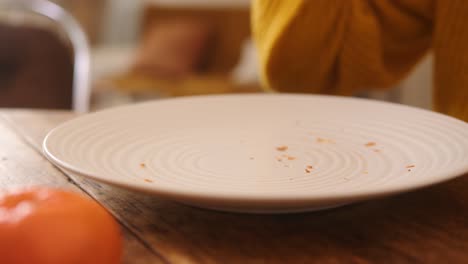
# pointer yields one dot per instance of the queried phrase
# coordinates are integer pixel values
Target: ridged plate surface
(263, 153)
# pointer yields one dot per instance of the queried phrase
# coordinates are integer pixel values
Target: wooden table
(426, 226)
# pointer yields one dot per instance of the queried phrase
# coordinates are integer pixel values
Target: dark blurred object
(228, 28)
(36, 68)
(44, 57)
(173, 49)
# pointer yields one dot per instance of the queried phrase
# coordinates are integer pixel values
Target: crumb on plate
(142, 165)
(282, 148)
(325, 140)
(289, 157)
(148, 180)
(370, 144)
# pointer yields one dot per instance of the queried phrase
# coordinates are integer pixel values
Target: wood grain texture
(426, 226)
(23, 166)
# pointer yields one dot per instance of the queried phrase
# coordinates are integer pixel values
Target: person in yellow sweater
(342, 46)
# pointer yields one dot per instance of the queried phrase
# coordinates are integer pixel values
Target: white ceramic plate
(263, 153)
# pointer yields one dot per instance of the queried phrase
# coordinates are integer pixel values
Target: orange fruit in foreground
(51, 226)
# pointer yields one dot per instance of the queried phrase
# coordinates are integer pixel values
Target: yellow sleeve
(339, 46)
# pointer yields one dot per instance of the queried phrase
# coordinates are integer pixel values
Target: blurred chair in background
(186, 47)
(174, 49)
(44, 57)
(222, 29)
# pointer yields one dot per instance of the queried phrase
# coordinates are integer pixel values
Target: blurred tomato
(51, 226)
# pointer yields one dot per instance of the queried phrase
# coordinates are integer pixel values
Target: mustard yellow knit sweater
(341, 46)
